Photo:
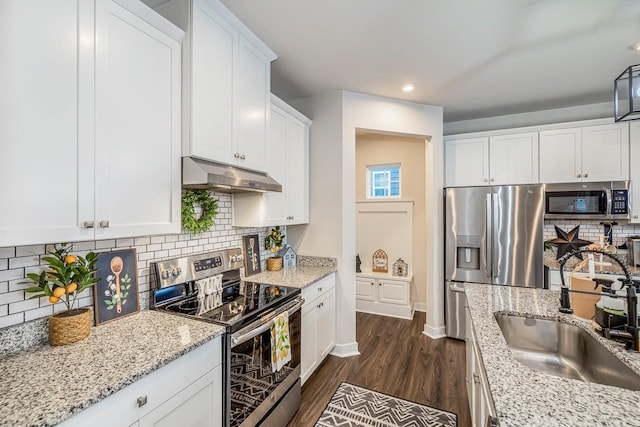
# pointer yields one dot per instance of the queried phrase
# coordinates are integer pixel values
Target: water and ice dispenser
(468, 252)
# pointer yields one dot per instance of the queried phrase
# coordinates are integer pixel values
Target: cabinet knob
(586, 175)
(142, 400)
(319, 289)
(236, 155)
(371, 283)
(476, 379)
(635, 217)
(492, 180)
(87, 224)
(242, 157)
(578, 176)
(104, 223)
(485, 180)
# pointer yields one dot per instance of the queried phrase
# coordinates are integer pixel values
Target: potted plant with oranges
(273, 243)
(67, 277)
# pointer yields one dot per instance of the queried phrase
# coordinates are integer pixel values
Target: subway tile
(20, 306)
(175, 252)
(172, 238)
(12, 319)
(6, 275)
(154, 247)
(19, 285)
(4, 310)
(167, 246)
(25, 261)
(142, 241)
(157, 239)
(84, 246)
(121, 243)
(105, 244)
(38, 313)
(4, 287)
(30, 250)
(4, 264)
(9, 252)
(160, 254)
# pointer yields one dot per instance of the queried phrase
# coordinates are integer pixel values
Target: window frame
(385, 168)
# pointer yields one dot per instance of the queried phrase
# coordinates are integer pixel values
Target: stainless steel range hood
(204, 174)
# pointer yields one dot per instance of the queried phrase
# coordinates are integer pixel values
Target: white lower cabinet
(186, 392)
(318, 324)
(389, 296)
(481, 405)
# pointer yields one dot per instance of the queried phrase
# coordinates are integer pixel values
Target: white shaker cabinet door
(309, 347)
(560, 155)
(297, 166)
(605, 152)
(253, 87)
(137, 125)
(46, 154)
(513, 159)
(277, 156)
(467, 162)
(327, 320)
(213, 58)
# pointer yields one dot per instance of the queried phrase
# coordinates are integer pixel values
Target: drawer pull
(87, 224)
(142, 400)
(104, 224)
(319, 289)
(476, 379)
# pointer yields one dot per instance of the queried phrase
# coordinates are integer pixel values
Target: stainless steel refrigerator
(492, 235)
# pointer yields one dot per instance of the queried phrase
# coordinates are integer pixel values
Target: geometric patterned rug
(353, 406)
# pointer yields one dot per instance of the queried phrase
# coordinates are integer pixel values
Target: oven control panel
(207, 264)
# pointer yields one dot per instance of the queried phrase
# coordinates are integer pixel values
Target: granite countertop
(526, 397)
(308, 271)
(44, 385)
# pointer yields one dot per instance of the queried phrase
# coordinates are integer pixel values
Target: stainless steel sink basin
(564, 350)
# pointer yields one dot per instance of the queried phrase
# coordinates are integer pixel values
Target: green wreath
(209, 210)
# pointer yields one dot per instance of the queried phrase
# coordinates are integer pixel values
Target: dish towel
(280, 344)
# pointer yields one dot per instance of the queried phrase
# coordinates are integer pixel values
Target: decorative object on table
(380, 262)
(251, 249)
(116, 294)
(357, 406)
(67, 276)
(289, 257)
(209, 207)
(627, 95)
(358, 264)
(273, 242)
(400, 268)
(567, 242)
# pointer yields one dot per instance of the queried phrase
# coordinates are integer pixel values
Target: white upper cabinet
(492, 160)
(137, 125)
(634, 146)
(82, 122)
(287, 157)
(467, 161)
(589, 153)
(513, 159)
(226, 86)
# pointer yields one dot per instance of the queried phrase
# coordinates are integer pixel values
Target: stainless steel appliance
(208, 287)
(633, 250)
(492, 235)
(588, 200)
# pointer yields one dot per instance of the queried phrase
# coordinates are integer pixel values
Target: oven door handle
(259, 327)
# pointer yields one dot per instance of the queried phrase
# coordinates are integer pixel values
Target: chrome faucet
(632, 334)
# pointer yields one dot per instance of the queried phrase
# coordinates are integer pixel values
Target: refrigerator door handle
(488, 231)
(495, 212)
(456, 288)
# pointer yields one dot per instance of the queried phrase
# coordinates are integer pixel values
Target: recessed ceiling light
(635, 46)
(408, 87)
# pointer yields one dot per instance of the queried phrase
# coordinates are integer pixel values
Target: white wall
(557, 115)
(336, 156)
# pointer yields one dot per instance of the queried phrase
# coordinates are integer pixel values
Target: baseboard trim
(345, 350)
(434, 333)
(420, 306)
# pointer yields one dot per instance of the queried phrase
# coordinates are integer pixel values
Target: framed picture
(116, 294)
(251, 247)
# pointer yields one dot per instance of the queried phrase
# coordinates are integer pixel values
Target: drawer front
(311, 293)
(138, 399)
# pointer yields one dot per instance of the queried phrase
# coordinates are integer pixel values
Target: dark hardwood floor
(397, 359)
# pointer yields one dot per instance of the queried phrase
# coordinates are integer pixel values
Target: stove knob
(234, 258)
(165, 274)
(175, 272)
(240, 258)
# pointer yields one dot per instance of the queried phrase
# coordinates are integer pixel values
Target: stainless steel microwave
(588, 200)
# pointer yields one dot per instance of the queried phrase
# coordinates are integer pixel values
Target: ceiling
(476, 58)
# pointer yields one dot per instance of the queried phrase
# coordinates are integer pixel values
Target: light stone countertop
(297, 277)
(309, 270)
(44, 385)
(525, 397)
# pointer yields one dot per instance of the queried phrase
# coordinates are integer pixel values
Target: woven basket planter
(274, 264)
(69, 326)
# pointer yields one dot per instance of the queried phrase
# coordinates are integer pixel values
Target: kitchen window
(383, 181)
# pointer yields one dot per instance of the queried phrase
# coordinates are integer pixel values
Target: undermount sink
(564, 350)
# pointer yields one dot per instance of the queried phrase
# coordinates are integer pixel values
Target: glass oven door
(257, 383)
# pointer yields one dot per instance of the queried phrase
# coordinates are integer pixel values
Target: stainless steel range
(208, 287)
